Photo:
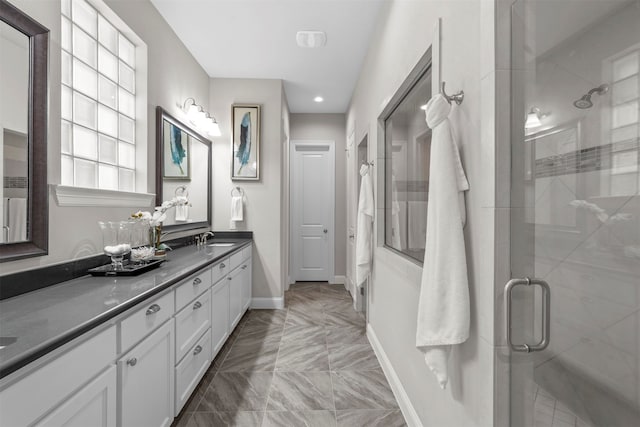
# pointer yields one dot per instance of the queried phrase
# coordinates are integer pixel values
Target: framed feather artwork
(245, 160)
(175, 150)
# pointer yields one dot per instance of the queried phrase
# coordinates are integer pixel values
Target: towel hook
(239, 190)
(456, 97)
(364, 162)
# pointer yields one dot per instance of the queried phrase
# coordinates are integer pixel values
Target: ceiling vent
(311, 38)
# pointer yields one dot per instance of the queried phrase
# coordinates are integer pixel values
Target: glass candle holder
(116, 240)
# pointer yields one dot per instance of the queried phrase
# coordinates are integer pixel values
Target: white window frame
(103, 197)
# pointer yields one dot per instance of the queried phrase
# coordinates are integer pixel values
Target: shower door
(575, 213)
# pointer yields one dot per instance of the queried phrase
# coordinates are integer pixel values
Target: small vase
(116, 239)
(155, 233)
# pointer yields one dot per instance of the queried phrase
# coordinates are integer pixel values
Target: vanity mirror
(23, 134)
(183, 168)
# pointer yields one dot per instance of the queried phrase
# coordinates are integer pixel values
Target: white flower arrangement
(159, 213)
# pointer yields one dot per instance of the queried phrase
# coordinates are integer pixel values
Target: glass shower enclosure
(575, 213)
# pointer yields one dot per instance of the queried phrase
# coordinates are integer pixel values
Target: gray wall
(263, 198)
(73, 231)
(405, 32)
(329, 127)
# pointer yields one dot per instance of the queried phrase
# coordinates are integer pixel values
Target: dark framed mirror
(183, 168)
(24, 46)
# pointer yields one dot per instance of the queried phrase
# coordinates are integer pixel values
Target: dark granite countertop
(44, 320)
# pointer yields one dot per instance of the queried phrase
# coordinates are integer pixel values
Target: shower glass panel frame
(575, 212)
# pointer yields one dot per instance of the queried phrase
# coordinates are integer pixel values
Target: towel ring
(456, 97)
(239, 190)
(181, 190)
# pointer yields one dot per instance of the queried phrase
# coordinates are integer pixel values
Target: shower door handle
(546, 313)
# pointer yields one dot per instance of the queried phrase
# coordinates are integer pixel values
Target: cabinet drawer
(220, 270)
(190, 371)
(40, 391)
(144, 320)
(191, 322)
(192, 287)
(235, 260)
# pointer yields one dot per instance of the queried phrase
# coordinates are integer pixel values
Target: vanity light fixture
(198, 116)
(533, 118)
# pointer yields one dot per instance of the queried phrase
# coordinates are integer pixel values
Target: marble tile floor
(307, 365)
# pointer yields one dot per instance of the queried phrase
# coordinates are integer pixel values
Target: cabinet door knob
(197, 350)
(132, 361)
(229, 278)
(196, 281)
(244, 267)
(153, 309)
(222, 265)
(197, 305)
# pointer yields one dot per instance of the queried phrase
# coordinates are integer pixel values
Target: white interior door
(312, 205)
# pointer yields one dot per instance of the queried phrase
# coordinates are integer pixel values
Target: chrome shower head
(585, 102)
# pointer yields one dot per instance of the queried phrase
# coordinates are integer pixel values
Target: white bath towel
(182, 212)
(236, 208)
(443, 310)
(17, 219)
(364, 226)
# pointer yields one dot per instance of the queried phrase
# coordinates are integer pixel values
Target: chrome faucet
(203, 238)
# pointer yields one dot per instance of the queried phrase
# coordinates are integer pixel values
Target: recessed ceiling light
(318, 99)
(311, 38)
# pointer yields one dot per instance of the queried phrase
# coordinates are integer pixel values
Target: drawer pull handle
(132, 361)
(197, 305)
(222, 265)
(197, 350)
(196, 281)
(153, 309)
(244, 267)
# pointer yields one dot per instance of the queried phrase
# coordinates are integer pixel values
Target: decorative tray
(128, 269)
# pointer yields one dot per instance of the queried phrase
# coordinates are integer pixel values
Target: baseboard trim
(408, 411)
(339, 280)
(267, 303)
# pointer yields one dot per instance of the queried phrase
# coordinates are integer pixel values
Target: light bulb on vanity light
(201, 118)
(212, 126)
(534, 118)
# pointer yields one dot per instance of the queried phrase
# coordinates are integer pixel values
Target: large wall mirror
(23, 135)
(183, 168)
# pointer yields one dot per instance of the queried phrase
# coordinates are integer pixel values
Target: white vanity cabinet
(93, 405)
(193, 333)
(55, 391)
(140, 367)
(146, 377)
(239, 285)
(219, 315)
(246, 279)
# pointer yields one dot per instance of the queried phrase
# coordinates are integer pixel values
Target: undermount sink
(6, 341)
(220, 245)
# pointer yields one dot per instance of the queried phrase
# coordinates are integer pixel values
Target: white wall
(73, 232)
(405, 32)
(263, 198)
(330, 127)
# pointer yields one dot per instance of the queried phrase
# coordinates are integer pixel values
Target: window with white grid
(98, 129)
(625, 124)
